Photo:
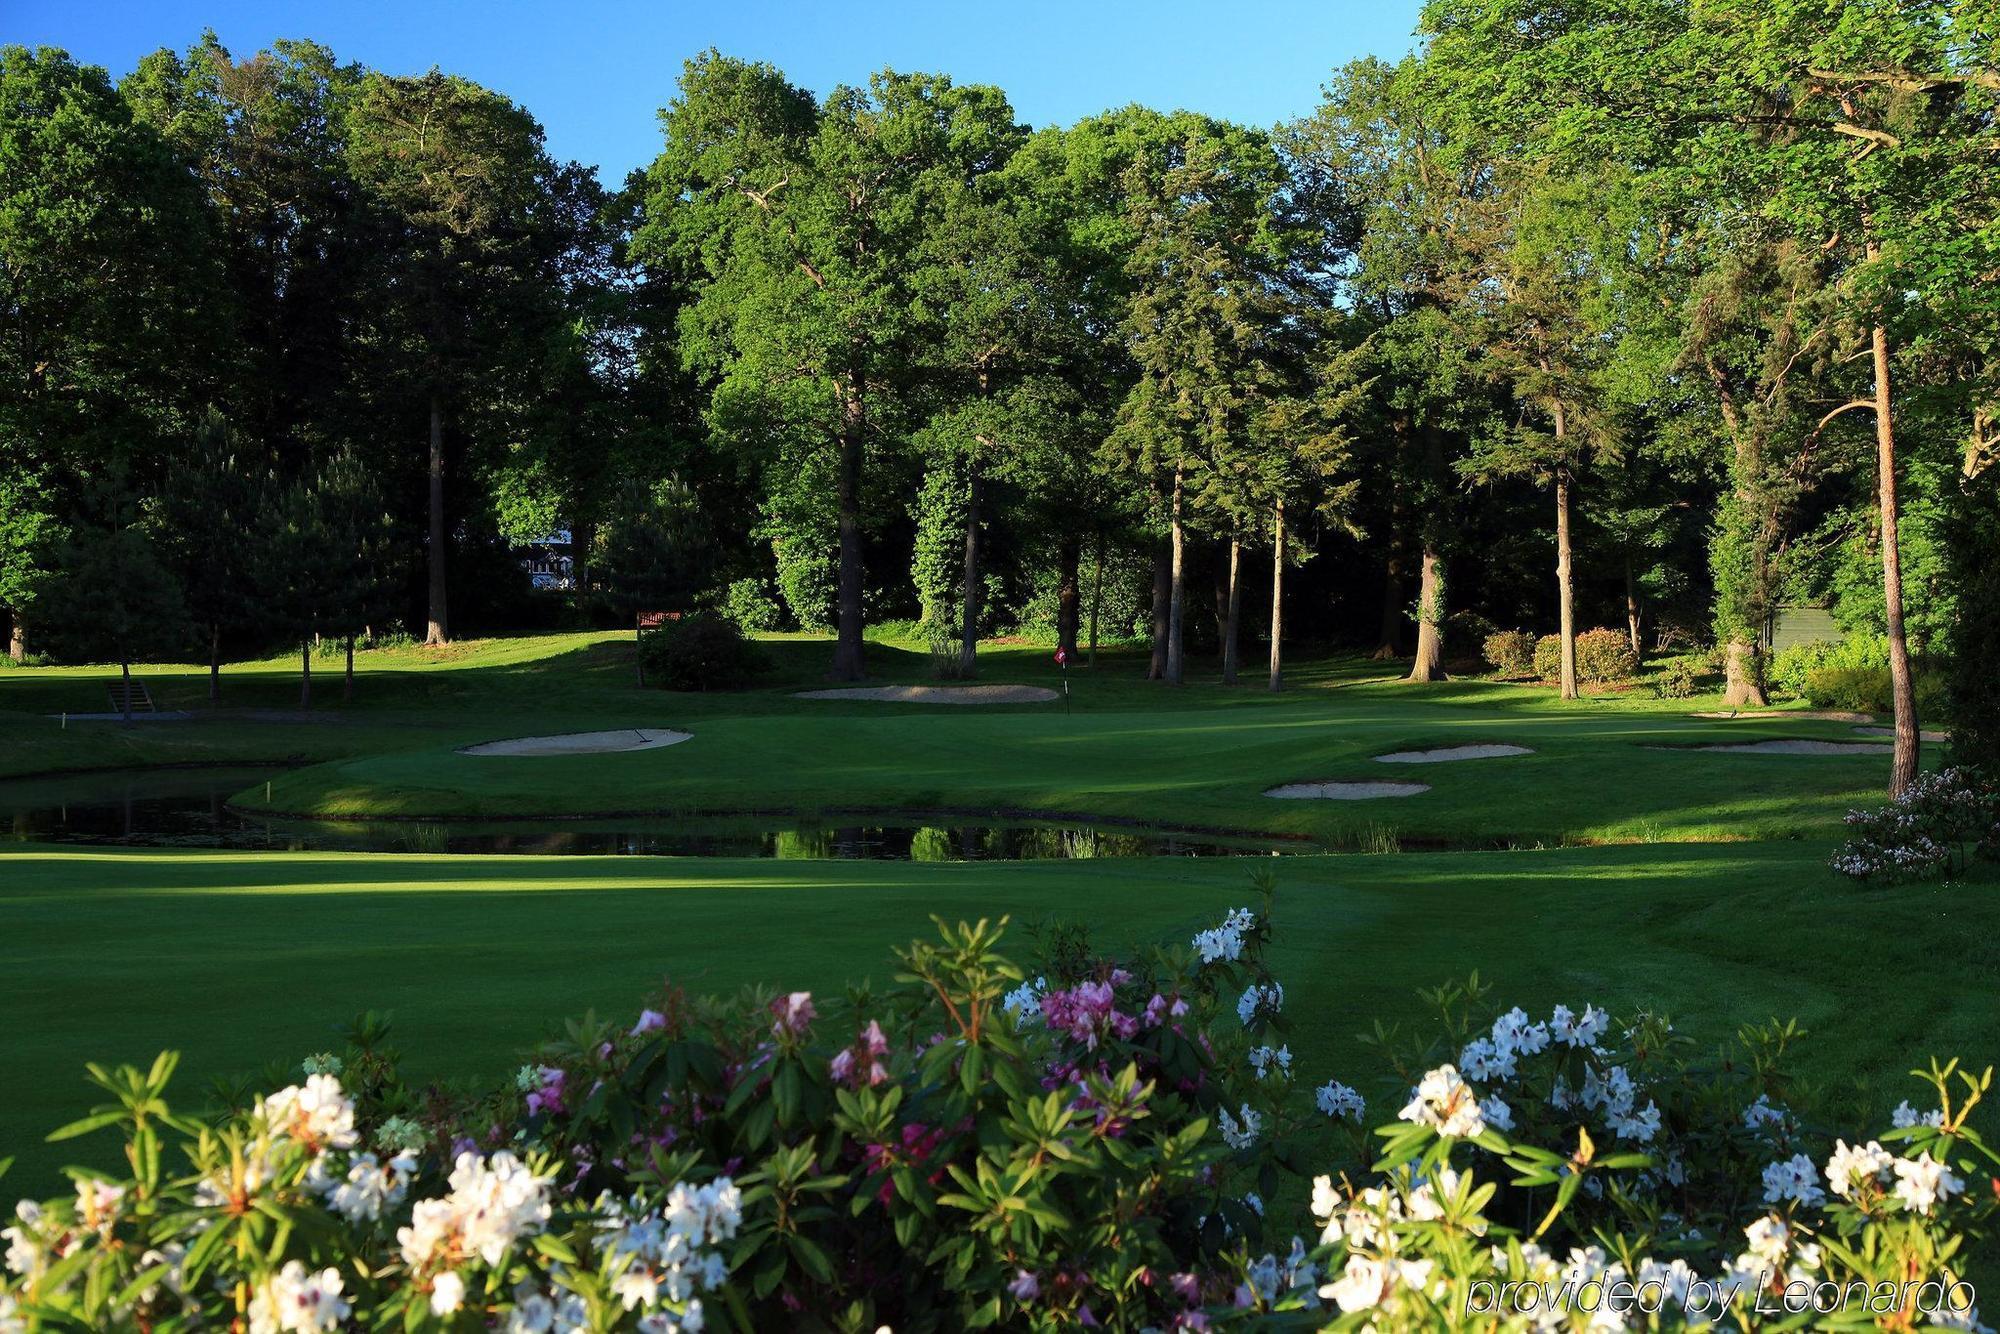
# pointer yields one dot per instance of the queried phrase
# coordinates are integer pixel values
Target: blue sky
(595, 72)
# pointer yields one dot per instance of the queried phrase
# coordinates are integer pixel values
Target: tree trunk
(848, 664)
(1069, 596)
(1096, 598)
(306, 673)
(1632, 614)
(580, 538)
(1389, 644)
(1743, 677)
(1902, 688)
(968, 626)
(17, 641)
(1741, 688)
(1565, 585)
(1429, 663)
(1219, 582)
(347, 686)
(1278, 596)
(439, 629)
(125, 679)
(1177, 593)
(1163, 591)
(1234, 619)
(214, 663)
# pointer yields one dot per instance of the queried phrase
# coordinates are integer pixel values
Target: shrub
(701, 651)
(1511, 652)
(1094, 1146)
(1869, 689)
(1789, 666)
(749, 603)
(1941, 821)
(1603, 656)
(1680, 678)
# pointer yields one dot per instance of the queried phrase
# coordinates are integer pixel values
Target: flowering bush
(1091, 1146)
(1511, 652)
(1941, 820)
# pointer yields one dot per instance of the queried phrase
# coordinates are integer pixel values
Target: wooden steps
(141, 700)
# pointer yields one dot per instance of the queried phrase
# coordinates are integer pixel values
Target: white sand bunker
(1791, 747)
(938, 694)
(1928, 734)
(1449, 753)
(1345, 791)
(582, 743)
(1814, 715)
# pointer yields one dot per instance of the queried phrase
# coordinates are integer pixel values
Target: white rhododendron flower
(369, 1187)
(293, 1299)
(1025, 1001)
(1923, 1181)
(1338, 1100)
(1578, 1030)
(316, 1114)
(1856, 1165)
(1513, 1033)
(1906, 1116)
(1260, 999)
(1240, 1132)
(1637, 1125)
(1447, 1104)
(1764, 1113)
(1271, 1060)
(494, 1202)
(1485, 1060)
(1368, 1283)
(1224, 944)
(1496, 1113)
(1793, 1178)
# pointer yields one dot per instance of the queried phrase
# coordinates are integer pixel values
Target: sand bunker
(1803, 715)
(1790, 747)
(1345, 791)
(582, 743)
(1927, 733)
(938, 694)
(1449, 753)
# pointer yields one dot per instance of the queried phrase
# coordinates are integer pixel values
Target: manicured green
(239, 959)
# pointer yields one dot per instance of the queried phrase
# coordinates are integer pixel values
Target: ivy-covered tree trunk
(306, 672)
(1234, 618)
(1902, 687)
(969, 589)
(1177, 591)
(1429, 663)
(1278, 596)
(848, 664)
(1069, 556)
(438, 631)
(1163, 593)
(1565, 583)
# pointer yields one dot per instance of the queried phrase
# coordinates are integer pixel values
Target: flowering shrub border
(1939, 823)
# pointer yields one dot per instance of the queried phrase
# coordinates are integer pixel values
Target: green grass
(1603, 768)
(238, 959)
(1705, 892)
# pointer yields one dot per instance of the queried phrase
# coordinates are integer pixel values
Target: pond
(189, 808)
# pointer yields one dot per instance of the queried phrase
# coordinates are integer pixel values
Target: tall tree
(457, 174)
(108, 332)
(1199, 323)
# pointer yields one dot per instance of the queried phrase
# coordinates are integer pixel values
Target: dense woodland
(1644, 315)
